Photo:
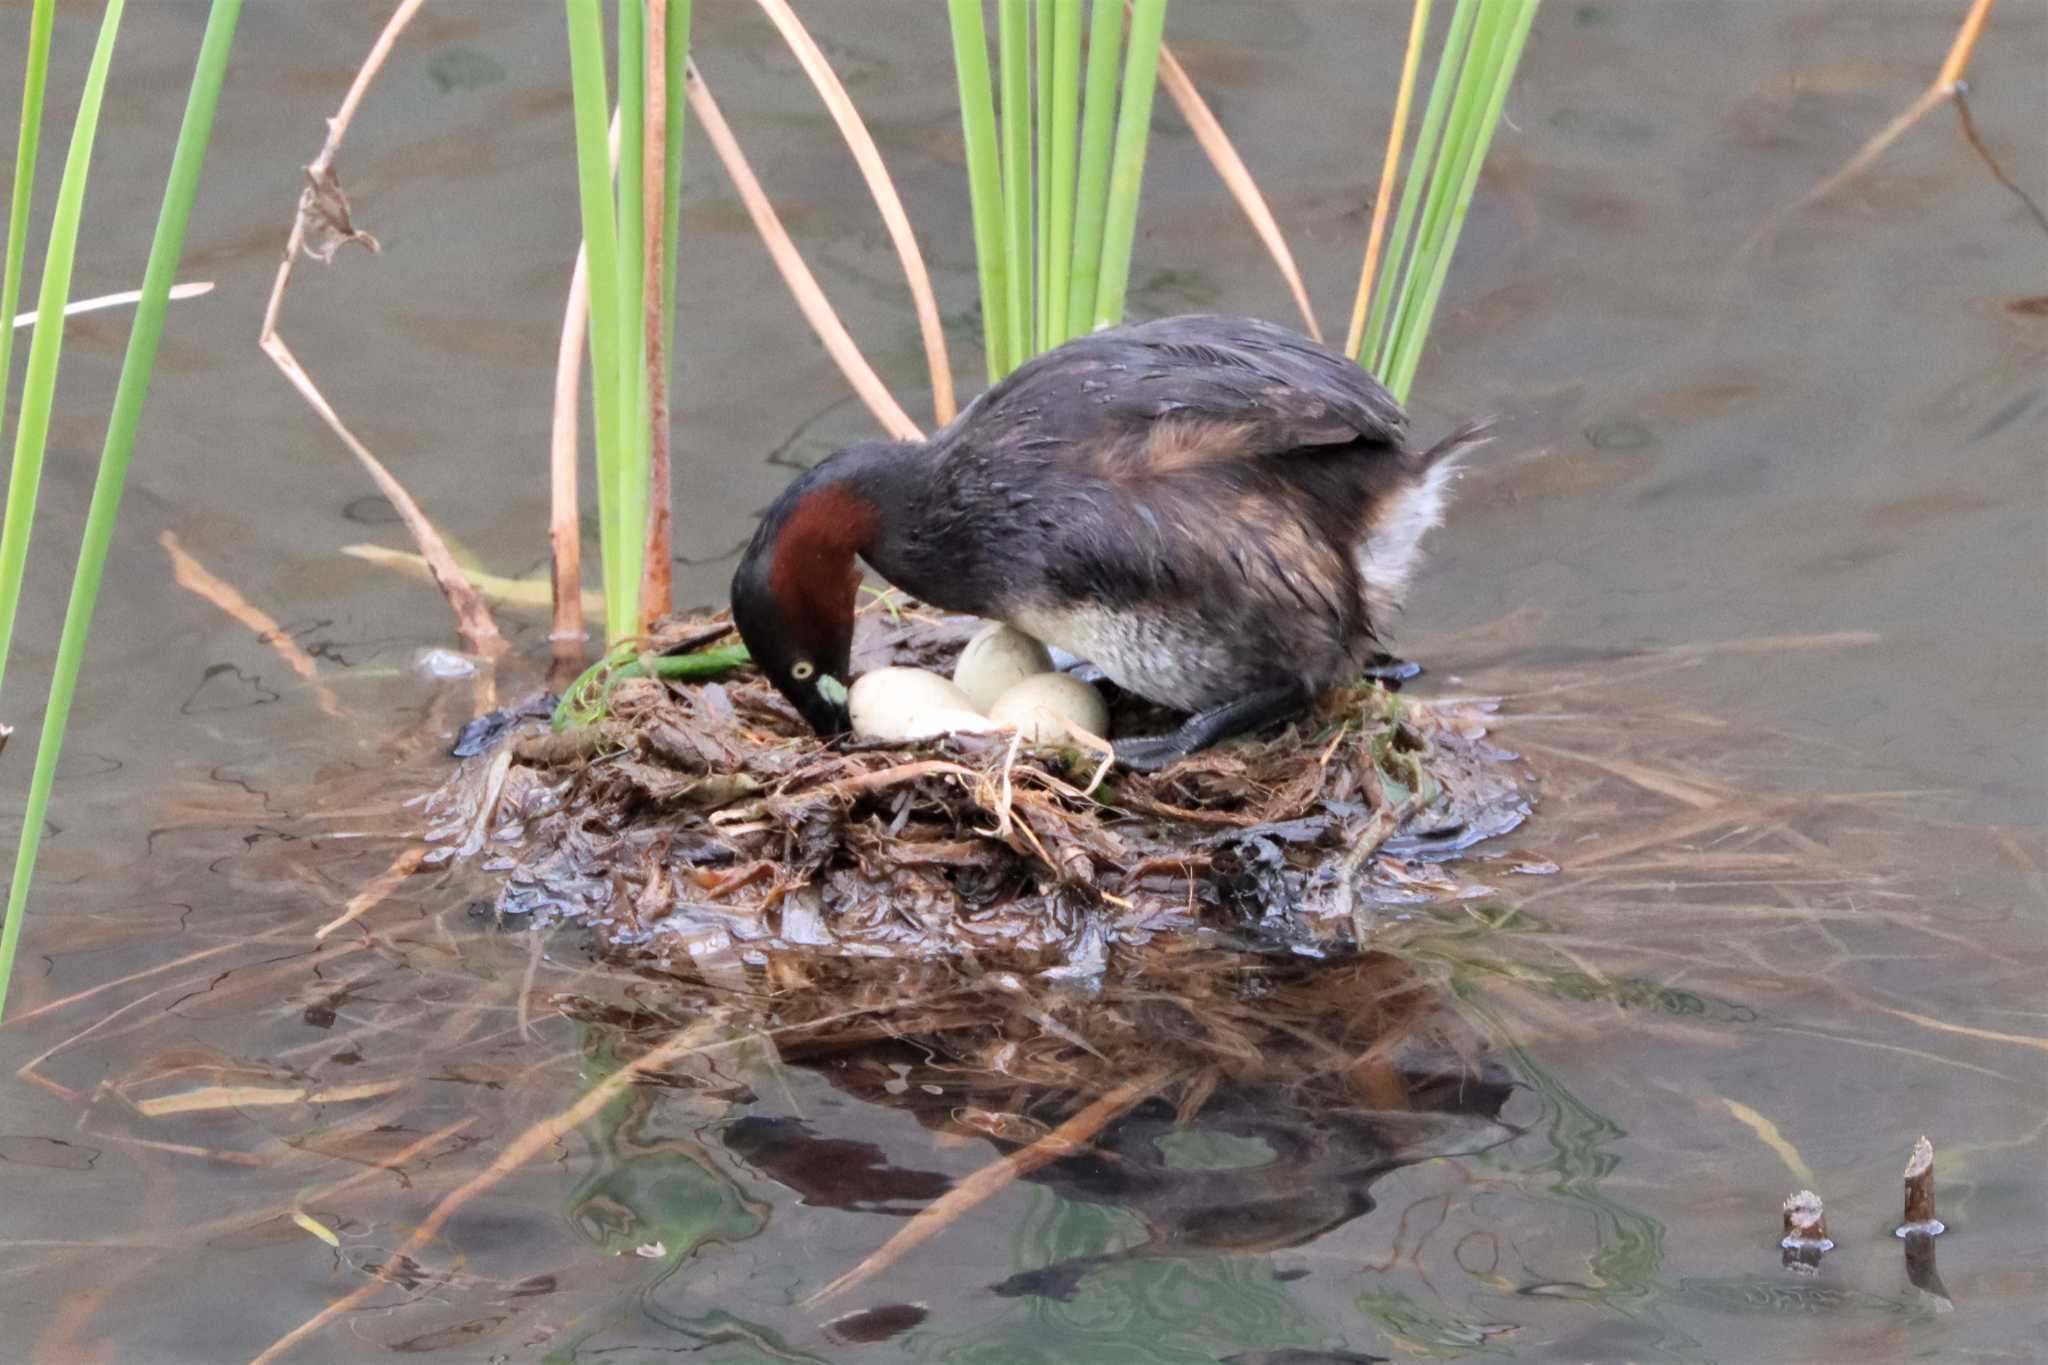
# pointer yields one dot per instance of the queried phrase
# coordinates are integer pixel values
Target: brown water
(1759, 571)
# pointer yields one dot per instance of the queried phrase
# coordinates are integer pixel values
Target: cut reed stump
(1919, 1216)
(1806, 1237)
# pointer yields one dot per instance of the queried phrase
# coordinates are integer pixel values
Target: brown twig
(517, 1153)
(1065, 1140)
(810, 297)
(193, 576)
(324, 209)
(657, 590)
(876, 172)
(1237, 178)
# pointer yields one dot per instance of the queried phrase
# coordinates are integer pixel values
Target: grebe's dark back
(1217, 512)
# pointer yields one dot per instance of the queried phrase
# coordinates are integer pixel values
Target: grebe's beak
(823, 706)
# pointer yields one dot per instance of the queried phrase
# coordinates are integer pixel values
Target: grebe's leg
(1150, 753)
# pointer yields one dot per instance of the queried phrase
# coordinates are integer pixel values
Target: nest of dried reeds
(705, 819)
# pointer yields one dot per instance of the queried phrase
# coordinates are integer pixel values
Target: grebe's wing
(1184, 389)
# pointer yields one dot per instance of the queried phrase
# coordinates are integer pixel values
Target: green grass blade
(26, 144)
(600, 235)
(180, 191)
(632, 352)
(1091, 186)
(1056, 156)
(1013, 47)
(1485, 87)
(984, 178)
(1127, 171)
(39, 379)
(1420, 162)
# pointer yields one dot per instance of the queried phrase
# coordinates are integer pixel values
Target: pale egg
(997, 659)
(1038, 705)
(900, 704)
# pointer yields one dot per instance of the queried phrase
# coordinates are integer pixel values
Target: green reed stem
(1482, 93)
(1098, 127)
(180, 191)
(676, 60)
(635, 457)
(39, 379)
(984, 178)
(1057, 154)
(1013, 48)
(30, 138)
(1127, 172)
(1046, 23)
(592, 102)
(1420, 163)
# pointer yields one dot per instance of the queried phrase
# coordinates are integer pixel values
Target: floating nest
(703, 820)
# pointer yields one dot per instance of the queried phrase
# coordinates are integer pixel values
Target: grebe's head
(793, 594)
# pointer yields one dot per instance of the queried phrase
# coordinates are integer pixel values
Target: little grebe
(1215, 511)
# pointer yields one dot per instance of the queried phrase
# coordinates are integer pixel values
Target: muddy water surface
(1758, 571)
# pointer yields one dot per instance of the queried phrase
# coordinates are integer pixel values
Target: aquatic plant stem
(27, 140)
(1390, 171)
(657, 590)
(181, 190)
(1013, 51)
(1058, 157)
(1428, 138)
(1046, 24)
(600, 238)
(1127, 168)
(565, 531)
(629, 218)
(984, 177)
(1091, 186)
(1503, 55)
(39, 378)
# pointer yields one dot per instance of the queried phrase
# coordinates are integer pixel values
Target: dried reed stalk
(1237, 178)
(322, 201)
(873, 170)
(517, 1153)
(1946, 85)
(817, 309)
(193, 576)
(1065, 1140)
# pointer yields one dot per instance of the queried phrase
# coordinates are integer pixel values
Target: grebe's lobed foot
(1150, 753)
(1392, 672)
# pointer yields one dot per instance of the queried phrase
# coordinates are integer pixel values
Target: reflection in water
(1289, 1087)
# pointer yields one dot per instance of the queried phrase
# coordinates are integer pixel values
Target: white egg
(1037, 706)
(997, 659)
(900, 704)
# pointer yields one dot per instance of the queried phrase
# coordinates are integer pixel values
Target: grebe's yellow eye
(803, 670)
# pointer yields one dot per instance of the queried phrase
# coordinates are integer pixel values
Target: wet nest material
(702, 820)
